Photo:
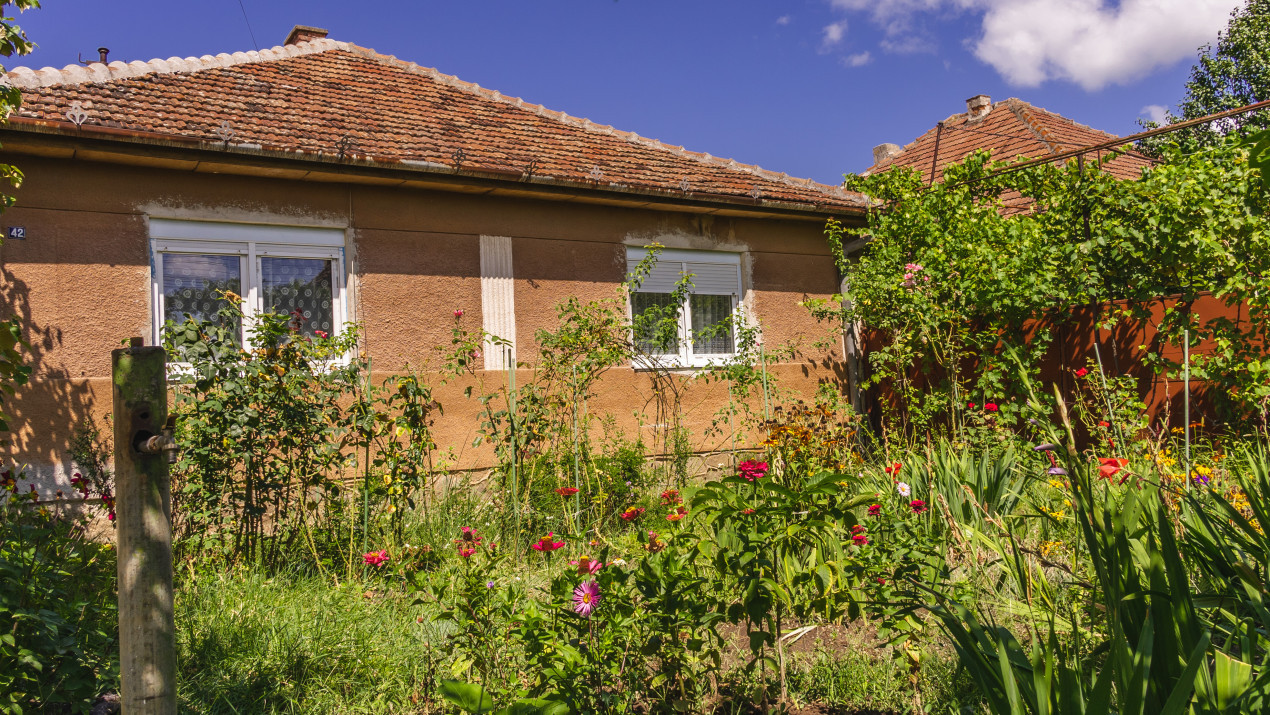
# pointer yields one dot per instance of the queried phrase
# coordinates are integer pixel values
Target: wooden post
(143, 522)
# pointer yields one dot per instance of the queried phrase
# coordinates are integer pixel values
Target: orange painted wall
(81, 280)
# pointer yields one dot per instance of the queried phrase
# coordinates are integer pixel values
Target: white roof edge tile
(98, 72)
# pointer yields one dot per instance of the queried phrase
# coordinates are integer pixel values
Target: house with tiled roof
(395, 195)
(1010, 129)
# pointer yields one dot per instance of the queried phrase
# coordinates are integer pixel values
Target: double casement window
(705, 329)
(281, 269)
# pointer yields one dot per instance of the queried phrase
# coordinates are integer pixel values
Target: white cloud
(833, 35)
(857, 60)
(1092, 43)
(783, 20)
(1157, 113)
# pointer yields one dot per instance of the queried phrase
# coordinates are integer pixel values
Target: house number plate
(17, 233)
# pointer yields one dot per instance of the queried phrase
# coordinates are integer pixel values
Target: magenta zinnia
(751, 470)
(547, 543)
(375, 558)
(585, 598)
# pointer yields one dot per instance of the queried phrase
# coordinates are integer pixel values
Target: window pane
(656, 323)
(711, 327)
(299, 284)
(193, 284)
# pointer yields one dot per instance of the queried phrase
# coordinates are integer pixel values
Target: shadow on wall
(45, 411)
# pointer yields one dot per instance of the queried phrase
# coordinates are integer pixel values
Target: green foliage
(1233, 74)
(954, 284)
(264, 433)
(60, 648)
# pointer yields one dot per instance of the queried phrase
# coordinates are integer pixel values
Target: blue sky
(806, 87)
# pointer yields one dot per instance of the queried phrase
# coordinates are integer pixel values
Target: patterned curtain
(658, 333)
(193, 286)
(299, 284)
(711, 330)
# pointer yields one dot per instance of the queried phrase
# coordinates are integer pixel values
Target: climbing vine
(957, 278)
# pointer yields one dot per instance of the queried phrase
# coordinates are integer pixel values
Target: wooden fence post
(143, 522)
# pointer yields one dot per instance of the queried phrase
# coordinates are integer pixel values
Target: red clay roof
(337, 99)
(1013, 128)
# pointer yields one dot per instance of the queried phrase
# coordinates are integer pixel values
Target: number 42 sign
(16, 233)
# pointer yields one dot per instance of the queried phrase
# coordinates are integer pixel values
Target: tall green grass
(297, 644)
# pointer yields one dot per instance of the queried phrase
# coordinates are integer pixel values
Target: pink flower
(321, 334)
(585, 598)
(375, 558)
(677, 514)
(458, 314)
(466, 553)
(751, 470)
(632, 513)
(875, 510)
(671, 497)
(547, 544)
(587, 566)
(860, 540)
(918, 506)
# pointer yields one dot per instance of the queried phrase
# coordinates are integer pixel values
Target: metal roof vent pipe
(104, 52)
(979, 106)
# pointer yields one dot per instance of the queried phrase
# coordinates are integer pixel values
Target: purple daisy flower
(585, 598)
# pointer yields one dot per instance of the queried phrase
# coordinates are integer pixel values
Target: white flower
(903, 489)
(617, 562)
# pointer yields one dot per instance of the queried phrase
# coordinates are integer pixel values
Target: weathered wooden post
(143, 522)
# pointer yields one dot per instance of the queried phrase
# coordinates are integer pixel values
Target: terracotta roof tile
(333, 98)
(1013, 128)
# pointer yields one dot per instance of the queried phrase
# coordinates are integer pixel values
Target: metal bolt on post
(143, 522)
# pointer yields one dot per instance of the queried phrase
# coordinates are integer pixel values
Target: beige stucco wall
(81, 281)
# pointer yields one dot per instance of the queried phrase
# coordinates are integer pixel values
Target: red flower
(677, 514)
(458, 313)
(671, 497)
(567, 491)
(466, 553)
(971, 405)
(858, 529)
(860, 540)
(747, 512)
(375, 558)
(881, 580)
(1110, 466)
(893, 469)
(1082, 372)
(990, 407)
(751, 470)
(918, 506)
(632, 513)
(1104, 423)
(875, 510)
(547, 543)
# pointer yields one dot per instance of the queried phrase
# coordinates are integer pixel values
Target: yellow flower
(1056, 484)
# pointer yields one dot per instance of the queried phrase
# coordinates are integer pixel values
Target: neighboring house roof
(1011, 129)
(335, 101)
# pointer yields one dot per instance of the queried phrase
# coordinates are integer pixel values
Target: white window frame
(686, 358)
(250, 242)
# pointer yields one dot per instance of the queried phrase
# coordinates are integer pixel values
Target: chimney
(979, 106)
(304, 33)
(882, 152)
(104, 52)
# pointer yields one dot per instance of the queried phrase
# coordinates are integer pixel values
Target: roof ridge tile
(26, 77)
